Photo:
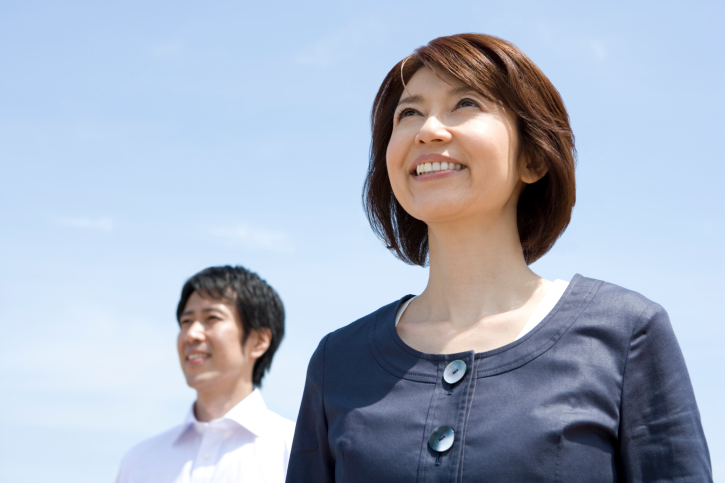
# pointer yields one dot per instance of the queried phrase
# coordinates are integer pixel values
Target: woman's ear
(530, 172)
(258, 342)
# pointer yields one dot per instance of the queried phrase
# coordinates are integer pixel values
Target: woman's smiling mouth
(436, 167)
(429, 164)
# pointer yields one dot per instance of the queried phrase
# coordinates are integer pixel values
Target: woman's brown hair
(502, 73)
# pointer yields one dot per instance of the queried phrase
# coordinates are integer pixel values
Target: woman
(492, 373)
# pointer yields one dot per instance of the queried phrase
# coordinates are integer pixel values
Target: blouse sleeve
(311, 458)
(661, 437)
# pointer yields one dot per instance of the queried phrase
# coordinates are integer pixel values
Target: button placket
(211, 442)
(446, 423)
(441, 440)
(453, 373)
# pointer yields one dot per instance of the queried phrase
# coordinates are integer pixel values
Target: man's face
(210, 345)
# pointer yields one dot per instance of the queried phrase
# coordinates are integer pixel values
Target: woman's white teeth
(436, 166)
(195, 356)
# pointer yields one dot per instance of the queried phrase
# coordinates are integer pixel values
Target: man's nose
(433, 131)
(195, 331)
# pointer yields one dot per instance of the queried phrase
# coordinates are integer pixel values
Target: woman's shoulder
(615, 295)
(614, 301)
(356, 335)
(358, 330)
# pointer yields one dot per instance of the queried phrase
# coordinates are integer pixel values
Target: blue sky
(143, 141)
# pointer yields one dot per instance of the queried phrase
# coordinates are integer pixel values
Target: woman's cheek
(396, 152)
(391, 154)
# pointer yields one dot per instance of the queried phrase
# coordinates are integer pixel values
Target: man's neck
(213, 404)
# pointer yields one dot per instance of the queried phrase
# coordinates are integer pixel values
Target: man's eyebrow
(191, 312)
(410, 100)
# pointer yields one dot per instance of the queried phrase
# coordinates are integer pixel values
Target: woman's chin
(441, 212)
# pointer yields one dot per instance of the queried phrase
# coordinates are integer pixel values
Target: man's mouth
(436, 167)
(197, 357)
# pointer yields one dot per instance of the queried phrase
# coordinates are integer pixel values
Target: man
(231, 323)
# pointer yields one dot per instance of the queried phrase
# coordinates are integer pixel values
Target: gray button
(441, 439)
(454, 372)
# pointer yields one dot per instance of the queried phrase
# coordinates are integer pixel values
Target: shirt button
(206, 456)
(454, 372)
(441, 439)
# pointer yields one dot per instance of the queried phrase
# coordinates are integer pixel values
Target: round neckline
(404, 361)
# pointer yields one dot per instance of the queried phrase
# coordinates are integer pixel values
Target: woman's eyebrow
(461, 90)
(410, 100)
(454, 91)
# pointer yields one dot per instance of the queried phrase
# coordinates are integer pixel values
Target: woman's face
(453, 154)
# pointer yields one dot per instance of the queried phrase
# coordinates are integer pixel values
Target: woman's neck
(477, 269)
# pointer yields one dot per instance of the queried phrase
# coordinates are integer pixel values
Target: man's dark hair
(257, 303)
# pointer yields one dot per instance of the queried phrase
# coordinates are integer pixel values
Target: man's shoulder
(148, 450)
(280, 426)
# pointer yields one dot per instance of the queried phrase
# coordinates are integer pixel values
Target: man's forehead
(206, 302)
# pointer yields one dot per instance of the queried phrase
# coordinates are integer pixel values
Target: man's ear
(529, 171)
(258, 342)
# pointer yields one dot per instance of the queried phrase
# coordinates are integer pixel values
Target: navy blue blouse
(597, 392)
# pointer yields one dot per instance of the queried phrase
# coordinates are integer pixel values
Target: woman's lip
(432, 158)
(437, 174)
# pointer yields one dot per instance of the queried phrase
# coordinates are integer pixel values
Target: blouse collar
(403, 361)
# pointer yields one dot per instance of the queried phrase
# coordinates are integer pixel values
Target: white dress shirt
(248, 444)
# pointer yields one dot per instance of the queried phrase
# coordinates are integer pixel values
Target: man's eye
(185, 321)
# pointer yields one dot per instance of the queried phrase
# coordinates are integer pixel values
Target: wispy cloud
(336, 44)
(256, 238)
(168, 49)
(108, 355)
(102, 223)
(319, 55)
(598, 49)
(577, 44)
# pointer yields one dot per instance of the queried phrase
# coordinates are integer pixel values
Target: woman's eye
(467, 103)
(406, 113)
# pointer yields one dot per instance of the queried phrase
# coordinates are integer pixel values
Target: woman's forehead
(433, 75)
(427, 79)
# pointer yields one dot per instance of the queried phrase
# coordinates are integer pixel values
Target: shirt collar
(250, 413)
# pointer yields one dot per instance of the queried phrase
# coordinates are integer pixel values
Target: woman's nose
(433, 131)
